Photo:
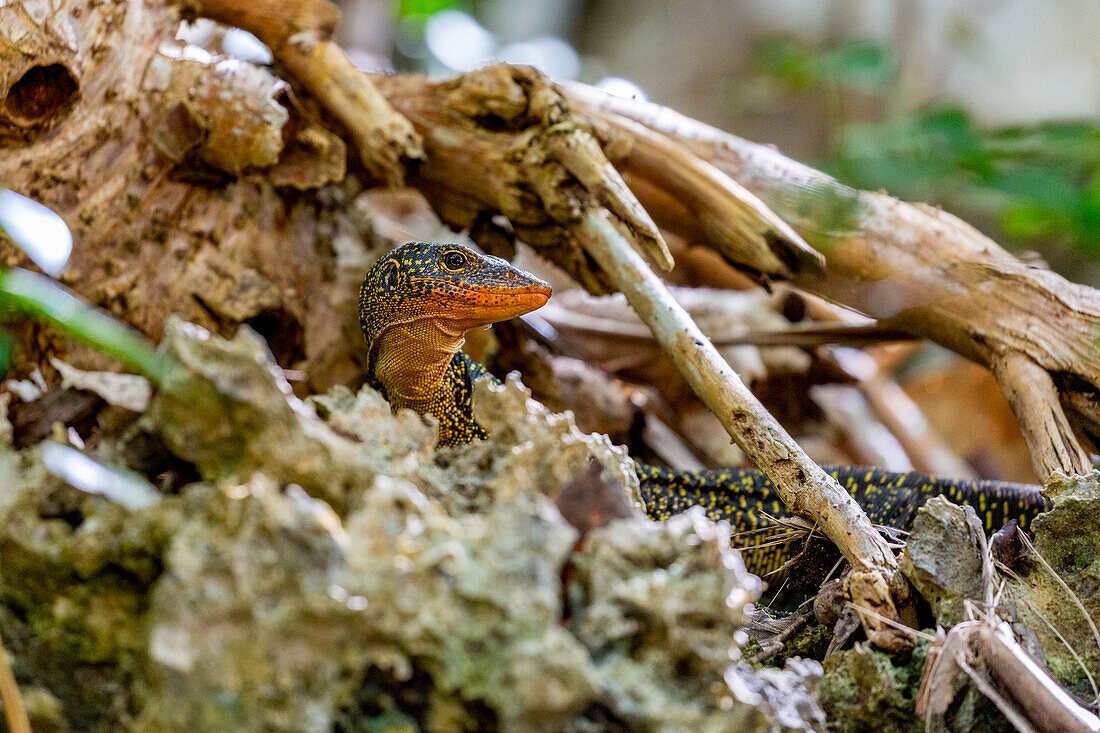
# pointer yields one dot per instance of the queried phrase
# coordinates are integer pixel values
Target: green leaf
(862, 65)
(1029, 221)
(44, 299)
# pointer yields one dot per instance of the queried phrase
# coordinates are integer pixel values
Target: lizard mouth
(490, 307)
(485, 306)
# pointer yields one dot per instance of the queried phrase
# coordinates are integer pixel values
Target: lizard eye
(389, 279)
(454, 260)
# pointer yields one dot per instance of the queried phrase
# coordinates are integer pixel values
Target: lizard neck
(450, 401)
(413, 359)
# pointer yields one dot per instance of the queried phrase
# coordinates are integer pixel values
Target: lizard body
(415, 307)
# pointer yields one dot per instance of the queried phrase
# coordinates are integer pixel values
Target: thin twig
(802, 485)
(15, 710)
(795, 624)
(1019, 722)
(804, 335)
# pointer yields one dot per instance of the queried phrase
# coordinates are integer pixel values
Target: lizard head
(447, 284)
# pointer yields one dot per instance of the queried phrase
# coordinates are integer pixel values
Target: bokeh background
(986, 107)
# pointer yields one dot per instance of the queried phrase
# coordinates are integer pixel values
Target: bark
(300, 36)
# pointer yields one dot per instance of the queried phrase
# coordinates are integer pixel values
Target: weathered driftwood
(916, 268)
(300, 36)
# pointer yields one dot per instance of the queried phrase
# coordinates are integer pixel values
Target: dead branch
(916, 268)
(986, 651)
(735, 221)
(804, 487)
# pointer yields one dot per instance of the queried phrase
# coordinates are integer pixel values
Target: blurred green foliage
(1036, 183)
(7, 352)
(46, 301)
(795, 66)
(426, 8)
(1028, 186)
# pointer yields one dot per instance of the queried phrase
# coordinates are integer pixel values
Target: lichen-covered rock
(226, 407)
(526, 427)
(1068, 538)
(236, 636)
(945, 558)
(639, 578)
(74, 578)
(1060, 487)
(863, 689)
(333, 572)
(661, 608)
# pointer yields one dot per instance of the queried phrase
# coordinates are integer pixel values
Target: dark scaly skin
(734, 495)
(739, 495)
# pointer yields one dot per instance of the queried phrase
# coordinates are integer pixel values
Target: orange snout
(481, 307)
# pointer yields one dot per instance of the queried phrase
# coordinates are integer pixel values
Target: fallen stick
(802, 485)
(990, 656)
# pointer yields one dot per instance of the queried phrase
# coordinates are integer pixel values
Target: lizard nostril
(510, 275)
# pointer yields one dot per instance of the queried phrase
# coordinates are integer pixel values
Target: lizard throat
(412, 359)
